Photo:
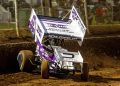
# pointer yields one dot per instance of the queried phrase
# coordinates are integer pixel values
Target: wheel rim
(19, 58)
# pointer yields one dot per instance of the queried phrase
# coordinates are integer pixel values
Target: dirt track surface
(104, 71)
(101, 77)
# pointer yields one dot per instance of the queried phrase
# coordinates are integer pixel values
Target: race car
(50, 58)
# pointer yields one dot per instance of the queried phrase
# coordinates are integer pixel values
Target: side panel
(38, 31)
(36, 27)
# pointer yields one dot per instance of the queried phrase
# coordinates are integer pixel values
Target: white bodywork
(66, 58)
(73, 28)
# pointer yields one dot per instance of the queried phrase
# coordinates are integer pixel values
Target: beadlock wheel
(24, 60)
(45, 69)
(85, 72)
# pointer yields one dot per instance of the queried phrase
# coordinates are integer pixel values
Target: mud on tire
(45, 69)
(85, 72)
(25, 57)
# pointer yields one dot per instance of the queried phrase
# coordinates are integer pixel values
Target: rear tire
(85, 72)
(45, 69)
(25, 57)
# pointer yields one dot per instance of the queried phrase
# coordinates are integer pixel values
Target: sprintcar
(50, 58)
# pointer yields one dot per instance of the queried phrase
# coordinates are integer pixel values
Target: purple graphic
(42, 52)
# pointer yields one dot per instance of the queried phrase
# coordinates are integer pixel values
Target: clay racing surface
(104, 65)
(101, 77)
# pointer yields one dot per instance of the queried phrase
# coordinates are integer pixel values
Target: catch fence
(98, 13)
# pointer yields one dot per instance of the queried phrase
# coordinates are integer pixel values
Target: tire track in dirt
(101, 77)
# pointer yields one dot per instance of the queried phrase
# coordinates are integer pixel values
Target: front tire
(25, 57)
(45, 69)
(85, 72)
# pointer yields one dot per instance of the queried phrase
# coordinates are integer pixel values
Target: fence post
(16, 18)
(42, 7)
(86, 16)
(47, 8)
